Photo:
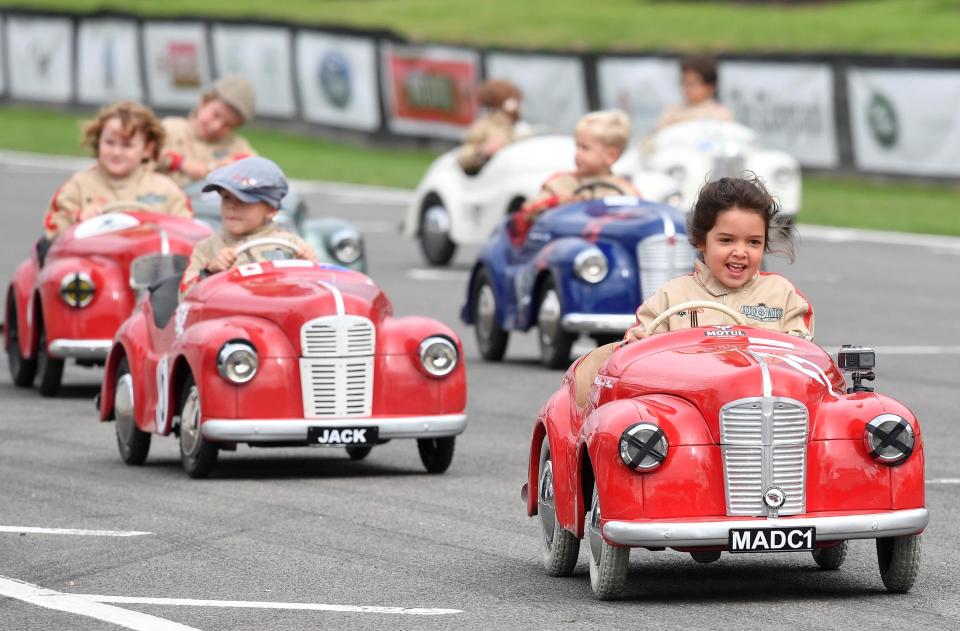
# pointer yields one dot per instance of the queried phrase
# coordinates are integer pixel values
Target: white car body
(465, 209)
(695, 152)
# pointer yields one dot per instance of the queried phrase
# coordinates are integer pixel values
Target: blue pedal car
(584, 268)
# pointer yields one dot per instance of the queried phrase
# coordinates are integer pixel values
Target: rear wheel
(491, 337)
(360, 452)
(831, 558)
(435, 240)
(196, 454)
(49, 369)
(436, 454)
(133, 443)
(899, 560)
(555, 343)
(22, 370)
(559, 546)
(608, 564)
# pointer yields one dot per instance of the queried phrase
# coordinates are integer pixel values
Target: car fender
(132, 341)
(19, 296)
(113, 300)
(555, 424)
(445, 180)
(786, 186)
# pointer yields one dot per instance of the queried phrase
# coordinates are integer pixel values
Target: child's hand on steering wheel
(636, 333)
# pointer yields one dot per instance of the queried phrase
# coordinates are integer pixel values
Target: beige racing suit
(496, 127)
(181, 143)
(682, 113)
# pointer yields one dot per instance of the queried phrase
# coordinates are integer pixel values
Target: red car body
(329, 355)
(90, 280)
(742, 410)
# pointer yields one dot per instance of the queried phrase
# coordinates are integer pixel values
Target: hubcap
(486, 311)
(548, 318)
(436, 226)
(545, 503)
(123, 407)
(593, 530)
(190, 423)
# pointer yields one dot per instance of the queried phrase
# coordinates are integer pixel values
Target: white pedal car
(450, 208)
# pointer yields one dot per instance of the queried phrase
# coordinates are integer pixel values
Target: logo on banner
(883, 121)
(769, 116)
(183, 64)
(43, 54)
(335, 79)
(434, 90)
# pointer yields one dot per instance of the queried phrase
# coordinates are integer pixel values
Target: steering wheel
(256, 243)
(125, 205)
(593, 186)
(695, 304)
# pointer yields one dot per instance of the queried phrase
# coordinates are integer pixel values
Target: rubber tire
(831, 558)
(436, 454)
(561, 553)
(203, 459)
(705, 557)
(899, 561)
(608, 574)
(436, 255)
(557, 354)
(495, 347)
(360, 452)
(23, 371)
(49, 369)
(133, 450)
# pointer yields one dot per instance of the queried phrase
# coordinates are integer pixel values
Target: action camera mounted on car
(858, 362)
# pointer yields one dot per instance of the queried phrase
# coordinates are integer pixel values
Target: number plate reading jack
(342, 436)
(772, 539)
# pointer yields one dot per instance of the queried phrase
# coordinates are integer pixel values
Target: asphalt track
(306, 539)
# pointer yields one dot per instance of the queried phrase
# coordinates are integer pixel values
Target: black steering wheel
(593, 186)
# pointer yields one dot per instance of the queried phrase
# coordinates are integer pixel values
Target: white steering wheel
(256, 243)
(695, 304)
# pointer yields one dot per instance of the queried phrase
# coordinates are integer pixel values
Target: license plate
(342, 436)
(772, 539)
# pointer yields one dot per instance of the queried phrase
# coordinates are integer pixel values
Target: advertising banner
(337, 76)
(40, 60)
(177, 63)
(789, 105)
(430, 90)
(640, 86)
(262, 55)
(108, 63)
(3, 57)
(905, 121)
(554, 92)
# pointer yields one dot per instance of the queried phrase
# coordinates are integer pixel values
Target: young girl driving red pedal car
(731, 225)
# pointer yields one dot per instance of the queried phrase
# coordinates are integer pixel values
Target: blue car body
(645, 244)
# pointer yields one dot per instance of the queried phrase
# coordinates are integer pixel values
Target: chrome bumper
(80, 349)
(295, 429)
(597, 322)
(716, 533)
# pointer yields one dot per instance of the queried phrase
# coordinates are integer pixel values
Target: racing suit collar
(714, 287)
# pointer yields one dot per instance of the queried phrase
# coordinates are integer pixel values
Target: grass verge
(826, 201)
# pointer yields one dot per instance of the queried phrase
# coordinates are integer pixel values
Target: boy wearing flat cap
(250, 193)
(204, 141)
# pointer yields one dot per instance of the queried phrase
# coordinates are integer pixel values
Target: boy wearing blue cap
(250, 193)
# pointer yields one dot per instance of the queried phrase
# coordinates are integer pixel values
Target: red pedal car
(90, 279)
(282, 353)
(726, 439)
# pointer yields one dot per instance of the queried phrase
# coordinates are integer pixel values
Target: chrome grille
(336, 367)
(661, 258)
(764, 442)
(148, 269)
(728, 166)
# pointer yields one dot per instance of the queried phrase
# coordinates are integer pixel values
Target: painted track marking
(253, 604)
(419, 273)
(77, 532)
(944, 481)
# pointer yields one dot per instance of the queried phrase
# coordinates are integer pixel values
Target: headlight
(783, 177)
(77, 289)
(237, 361)
(438, 355)
(889, 439)
(643, 447)
(347, 246)
(678, 173)
(591, 265)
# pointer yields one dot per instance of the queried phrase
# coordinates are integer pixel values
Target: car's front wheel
(436, 454)
(831, 558)
(23, 371)
(133, 443)
(555, 342)
(608, 564)
(491, 337)
(899, 560)
(560, 547)
(49, 369)
(435, 242)
(196, 454)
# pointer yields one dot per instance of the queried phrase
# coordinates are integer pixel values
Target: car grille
(661, 258)
(150, 268)
(728, 166)
(764, 443)
(336, 366)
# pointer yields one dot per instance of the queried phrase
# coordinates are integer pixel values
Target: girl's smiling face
(734, 246)
(120, 152)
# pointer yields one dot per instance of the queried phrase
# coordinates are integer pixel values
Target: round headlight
(889, 439)
(438, 355)
(237, 362)
(643, 446)
(591, 265)
(347, 246)
(77, 289)
(678, 173)
(783, 177)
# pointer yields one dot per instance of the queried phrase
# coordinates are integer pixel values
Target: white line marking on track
(73, 531)
(438, 274)
(253, 604)
(944, 481)
(845, 235)
(77, 604)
